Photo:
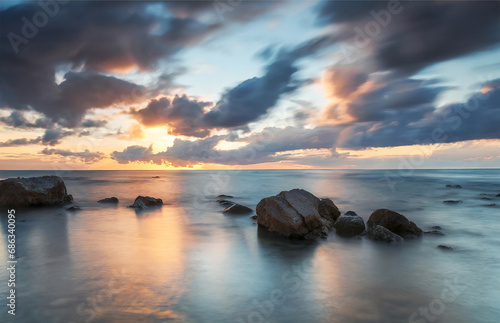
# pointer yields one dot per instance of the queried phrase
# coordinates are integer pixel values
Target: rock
(445, 247)
(237, 209)
(225, 202)
(485, 198)
(452, 201)
(435, 232)
(155, 176)
(223, 196)
(297, 214)
(436, 227)
(351, 213)
(33, 191)
(143, 202)
(109, 200)
(394, 222)
(453, 186)
(498, 195)
(349, 225)
(254, 217)
(380, 233)
(74, 208)
(490, 205)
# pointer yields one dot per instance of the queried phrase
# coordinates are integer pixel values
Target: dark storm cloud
(418, 34)
(86, 156)
(181, 114)
(51, 137)
(476, 118)
(252, 99)
(93, 123)
(17, 120)
(90, 39)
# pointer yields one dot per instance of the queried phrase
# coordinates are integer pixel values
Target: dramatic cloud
(182, 115)
(261, 147)
(476, 118)
(252, 99)
(86, 156)
(51, 137)
(408, 36)
(17, 120)
(85, 40)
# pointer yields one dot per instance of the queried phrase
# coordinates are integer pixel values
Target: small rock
(237, 209)
(445, 247)
(351, 213)
(155, 176)
(109, 200)
(435, 232)
(453, 186)
(349, 225)
(74, 208)
(436, 227)
(380, 233)
(223, 196)
(452, 201)
(394, 222)
(143, 202)
(498, 195)
(254, 217)
(485, 198)
(490, 205)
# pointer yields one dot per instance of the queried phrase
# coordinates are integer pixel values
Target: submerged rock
(109, 200)
(33, 191)
(485, 198)
(223, 196)
(394, 222)
(237, 209)
(380, 233)
(490, 205)
(74, 208)
(498, 195)
(143, 202)
(155, 176)
(349, 225)
(297, 214)
(436, 227)
(453, 186)
(445, 247)
(452, 201)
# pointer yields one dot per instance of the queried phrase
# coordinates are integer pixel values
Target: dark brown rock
(33, 191)
(112, 200)
(349, 225)
(380, 233)
(237, 209)
(452, 201)
(453, 186)
(394, 222)
(143, 202)
(297, 214)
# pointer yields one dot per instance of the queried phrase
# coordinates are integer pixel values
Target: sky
(249, 85)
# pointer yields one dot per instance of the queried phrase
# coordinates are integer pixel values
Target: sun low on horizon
(249, 85)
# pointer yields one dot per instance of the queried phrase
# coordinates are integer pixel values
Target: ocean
(188, 262)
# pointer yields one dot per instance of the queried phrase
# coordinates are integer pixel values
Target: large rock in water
(297, 214)
(349, 225)
(33, 191)
(237, 209)
(143, 202)
(394, 222)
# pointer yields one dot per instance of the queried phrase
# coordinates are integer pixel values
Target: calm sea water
(187, 262)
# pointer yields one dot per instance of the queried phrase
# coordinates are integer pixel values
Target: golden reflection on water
(141, 262)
